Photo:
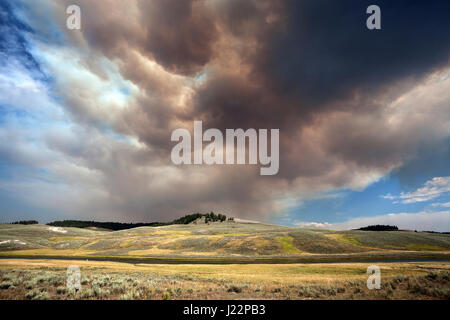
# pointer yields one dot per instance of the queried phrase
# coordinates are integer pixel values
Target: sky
(86, 115)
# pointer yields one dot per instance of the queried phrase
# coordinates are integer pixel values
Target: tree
(379, 227)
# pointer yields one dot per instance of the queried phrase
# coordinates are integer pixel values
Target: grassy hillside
(396, 240)
(20, 237)
(220, 239)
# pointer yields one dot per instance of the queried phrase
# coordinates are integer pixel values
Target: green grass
(425, 247)
(287, 245)
(400, 240)
(316, 242)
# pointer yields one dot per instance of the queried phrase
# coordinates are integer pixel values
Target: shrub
(6, 285)
(42, 296)
(235, 289)
(432, 276)
(99, 283)
(98, 292)
(29, 285)
(117, 288)
(400, 278)
(126, 296)
(166, 296)
(302, 291)
(32, 294)
(331, 291)
(61, 290)
(42, 279)
(86, 293)
(56, 281)
(132, 294)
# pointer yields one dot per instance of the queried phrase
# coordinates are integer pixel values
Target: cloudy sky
(364, 115)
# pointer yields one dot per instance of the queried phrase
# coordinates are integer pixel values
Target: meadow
(227, 260)
(46, 279)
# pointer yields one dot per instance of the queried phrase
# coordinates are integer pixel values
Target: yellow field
(269, 281)
(261, 273)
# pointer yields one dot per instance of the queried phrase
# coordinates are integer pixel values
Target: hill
(206, 217)
(220, 239)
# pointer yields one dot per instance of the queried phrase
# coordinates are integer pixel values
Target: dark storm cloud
(180, 34)
(325, 52)
(321, 58)
(430, 160)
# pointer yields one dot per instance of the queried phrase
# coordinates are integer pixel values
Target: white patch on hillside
(13, 242)
(245, 221)
(57, 229)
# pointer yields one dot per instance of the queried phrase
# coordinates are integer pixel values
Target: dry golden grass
(261, 273)
(50, 252)
(427, 280)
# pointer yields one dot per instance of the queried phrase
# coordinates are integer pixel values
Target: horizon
(236, 220)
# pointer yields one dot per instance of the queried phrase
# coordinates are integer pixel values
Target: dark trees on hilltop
(209, 217)
(379, 227)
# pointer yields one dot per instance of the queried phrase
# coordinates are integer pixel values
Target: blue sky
(347, 205)
(86, 115)
(344, 205)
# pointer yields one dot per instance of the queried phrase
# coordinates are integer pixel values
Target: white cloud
(441, 204)
(432, 189)
(421, 221)
(302, 224)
